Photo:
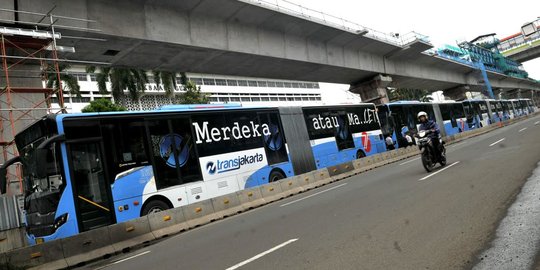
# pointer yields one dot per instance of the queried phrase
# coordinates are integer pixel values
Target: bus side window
(188, 160)
(165, 152)
(274, 143)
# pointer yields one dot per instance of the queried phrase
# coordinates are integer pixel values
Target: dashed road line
(238, 265)
(497, 142)
(445, 168)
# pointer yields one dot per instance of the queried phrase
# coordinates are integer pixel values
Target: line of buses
(88, 170)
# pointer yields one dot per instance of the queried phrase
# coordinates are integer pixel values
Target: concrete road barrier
(227, 205)
(199, 213)
(12, 239)
(308, 181)
(251, 198)
(291, 186)
(167, 222)
(87, 246)
(48, 255)
(272, 192)
(130, 233)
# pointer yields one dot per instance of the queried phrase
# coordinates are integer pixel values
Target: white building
(221, 89)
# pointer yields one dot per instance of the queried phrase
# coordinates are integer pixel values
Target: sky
(444, 22)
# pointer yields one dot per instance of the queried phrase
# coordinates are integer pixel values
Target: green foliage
(69, 82)
(133, 80)
(409, 94)
(168, 79)
(192, 94)
(102, 105)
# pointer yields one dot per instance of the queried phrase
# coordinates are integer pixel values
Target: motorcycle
(425, 145)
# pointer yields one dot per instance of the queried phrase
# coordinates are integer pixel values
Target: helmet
(422, 114)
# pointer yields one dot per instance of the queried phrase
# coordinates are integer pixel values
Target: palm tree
(168, 79)
(409, 94)
(56, 79)
(134, 80)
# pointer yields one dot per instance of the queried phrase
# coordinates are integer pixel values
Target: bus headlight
(59, 221)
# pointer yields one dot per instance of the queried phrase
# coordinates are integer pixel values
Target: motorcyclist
(430, 125)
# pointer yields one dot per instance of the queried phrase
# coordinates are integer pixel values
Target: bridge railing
(518, 41)
(317, 16)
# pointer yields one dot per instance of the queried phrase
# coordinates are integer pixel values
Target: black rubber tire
(154, 206)
(360, 154)
(443, 157)
(428, 165)
(275, 176)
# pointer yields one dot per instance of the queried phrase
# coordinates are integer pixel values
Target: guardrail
(117, 238)
(297, 10)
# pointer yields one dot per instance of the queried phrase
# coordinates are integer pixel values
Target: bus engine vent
(196, 190)
(222, 184)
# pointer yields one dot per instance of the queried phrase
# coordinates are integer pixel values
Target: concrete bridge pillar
(457, 93)
(373, 90)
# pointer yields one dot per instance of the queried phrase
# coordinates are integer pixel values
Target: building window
(209, 82)
(232, 82)
(81, 77)
(265, 99)
(273, 99)
(235, 99)
(245, 99)
(197, 81)
(287, 85)
(93, 77)
(279, 84)
(221, 82)
(262, 83)
(295, 85)
(255, 99)
(252, 83)
(213, 99)
(224, 99)
(271, 84)
(242, 83)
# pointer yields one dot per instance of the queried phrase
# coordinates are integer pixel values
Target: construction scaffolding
(29, 56)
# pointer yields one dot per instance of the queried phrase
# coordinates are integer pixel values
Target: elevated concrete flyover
(232, 37)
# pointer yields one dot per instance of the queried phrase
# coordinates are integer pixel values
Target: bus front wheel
(154, 207)
(276, 176)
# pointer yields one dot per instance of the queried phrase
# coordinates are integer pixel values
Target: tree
(134, 80)
(192, 94)
(102, 105)
(409, 94)
(69, 82)
(168, 79)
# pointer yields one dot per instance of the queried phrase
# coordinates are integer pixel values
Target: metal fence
(10, 212)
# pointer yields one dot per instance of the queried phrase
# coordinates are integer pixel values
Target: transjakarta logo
(227, 165)
(236, 132)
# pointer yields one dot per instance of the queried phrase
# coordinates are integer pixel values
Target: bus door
(92, 193)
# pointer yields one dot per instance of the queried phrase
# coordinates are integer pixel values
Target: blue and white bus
(400, 118)
(85, 171)
(454, 117)
(477, 113)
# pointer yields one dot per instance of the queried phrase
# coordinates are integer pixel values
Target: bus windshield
(27, 143)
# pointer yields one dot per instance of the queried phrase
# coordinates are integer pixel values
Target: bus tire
(276, 175)
(360, 154)
(154, 206)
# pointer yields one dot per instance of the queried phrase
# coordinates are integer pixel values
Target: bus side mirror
(41, 162)
(3, 180)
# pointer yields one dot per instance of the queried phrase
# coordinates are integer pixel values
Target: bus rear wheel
(154, 207)
(276, 176)
(360, 154)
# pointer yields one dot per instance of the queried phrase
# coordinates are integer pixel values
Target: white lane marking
(409, 161)
(123, 260)
(314, 194)
(447, 167)
(536, 123)
(522, 129)
(236, 266)
(497, 142)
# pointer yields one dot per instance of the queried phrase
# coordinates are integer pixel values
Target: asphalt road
(394, 217)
